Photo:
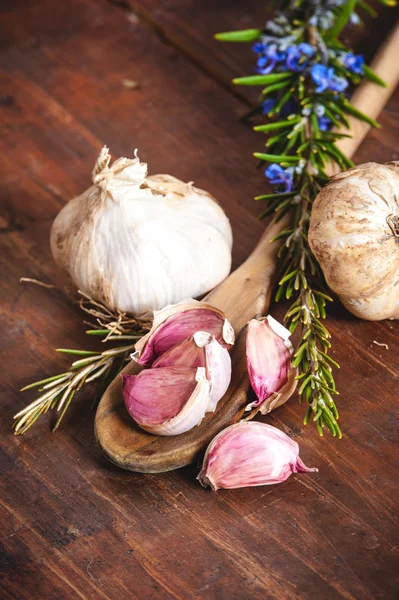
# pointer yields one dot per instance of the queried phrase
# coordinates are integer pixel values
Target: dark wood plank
(74, 526)
(190, 26)
(158, 123)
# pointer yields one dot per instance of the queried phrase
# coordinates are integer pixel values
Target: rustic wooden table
(73, 525)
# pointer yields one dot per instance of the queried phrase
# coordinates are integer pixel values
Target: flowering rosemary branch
(304, 71)
(58, 391)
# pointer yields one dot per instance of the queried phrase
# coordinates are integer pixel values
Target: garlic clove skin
(202, 350)
(274, 400)
(173, 324)
(175, 189)
(218, 368)
(248, 455)
(354, 234)
(168, 400)
(268, 351)
(137, 243)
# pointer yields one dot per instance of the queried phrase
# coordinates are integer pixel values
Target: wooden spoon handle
(247, 291)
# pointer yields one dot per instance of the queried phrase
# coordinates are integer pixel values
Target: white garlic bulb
(354, 234)
(138, 243)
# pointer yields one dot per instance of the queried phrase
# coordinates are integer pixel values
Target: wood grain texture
(72, 524)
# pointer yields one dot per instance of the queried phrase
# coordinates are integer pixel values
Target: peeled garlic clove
(202, 350)
(168, 400)
(177, 322)
(269, 364)
(250, 454)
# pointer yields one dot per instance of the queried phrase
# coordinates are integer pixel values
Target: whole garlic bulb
(354, 234)
(138, 243)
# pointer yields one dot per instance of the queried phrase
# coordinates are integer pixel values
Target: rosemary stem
(60, 389)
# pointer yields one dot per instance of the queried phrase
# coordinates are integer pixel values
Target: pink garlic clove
(185, 354)
(174, 324)
(202, 350)
(269, 364)
(250, 454)
(168, 400)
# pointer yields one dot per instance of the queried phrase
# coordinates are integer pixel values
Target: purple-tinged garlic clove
(176, 323)
(168, 400)
(202, 350)
(250, 454)
(269, 351)
(185, 354)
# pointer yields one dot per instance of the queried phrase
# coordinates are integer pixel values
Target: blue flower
(337, 84)
(324, 123)
(353, 62)
(319, 75)
(325, 79)
(290, 107)
(258, 47)
(269, 56)
(279, 176)
(267, 105)
(297, 56)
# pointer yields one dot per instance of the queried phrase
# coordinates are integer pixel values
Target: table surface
(73, 525)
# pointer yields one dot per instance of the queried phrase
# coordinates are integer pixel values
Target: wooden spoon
(244, 294)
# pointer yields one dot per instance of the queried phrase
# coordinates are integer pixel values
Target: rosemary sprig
(305, 71)
(299, 271)
(57, 392)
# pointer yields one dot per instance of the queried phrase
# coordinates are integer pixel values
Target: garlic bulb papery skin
(354, 234)
(202, 350)
(176, 323)
(168, 400)
(268, 353)
(137, 243)
(248, 455)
